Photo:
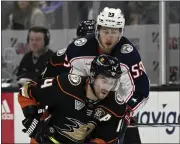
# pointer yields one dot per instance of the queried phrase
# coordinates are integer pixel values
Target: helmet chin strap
(89, 101)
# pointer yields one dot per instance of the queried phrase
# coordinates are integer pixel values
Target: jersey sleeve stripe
(58, 64)
(57, 78)
(112, 141)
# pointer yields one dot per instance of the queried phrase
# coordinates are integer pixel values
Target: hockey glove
(39, 130)
(128, 115)
(125, 122)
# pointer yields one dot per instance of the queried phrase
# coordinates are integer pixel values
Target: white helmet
(111, 17)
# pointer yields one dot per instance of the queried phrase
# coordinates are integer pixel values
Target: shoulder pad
(61, 52)
(86, 46)
(75, 80)
(80, 41)
(126, 48)
(58, 57)
(72, 85)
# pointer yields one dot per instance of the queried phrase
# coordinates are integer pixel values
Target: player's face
(36, 41)
(108, 37)
(103, 85)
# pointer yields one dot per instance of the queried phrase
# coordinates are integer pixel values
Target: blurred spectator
(134, 18)
(148, 12)
(6, 9)
(52, 11)
(174, 11)
(26, 15)
(143, 12)
(33, 63)
(84, 8)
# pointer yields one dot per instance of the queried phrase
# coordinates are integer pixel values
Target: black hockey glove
(39, 130)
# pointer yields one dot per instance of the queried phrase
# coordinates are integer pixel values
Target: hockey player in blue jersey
(133, 86)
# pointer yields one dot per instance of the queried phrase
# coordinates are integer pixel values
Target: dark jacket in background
(28, 69)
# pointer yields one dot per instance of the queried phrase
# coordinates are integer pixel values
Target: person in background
(52, 11)
(33, 63)
(6, 9)
(26, 15)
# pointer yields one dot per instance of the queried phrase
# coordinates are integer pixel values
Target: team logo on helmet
(80, 42)
(74, 79)
(126, 48)
(102, 59)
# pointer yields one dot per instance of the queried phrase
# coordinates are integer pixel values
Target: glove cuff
(32, 127)
(129, 110)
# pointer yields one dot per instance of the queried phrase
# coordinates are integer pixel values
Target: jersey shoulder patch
(119, 99)
(80, 41)
(126, 48)
(75, 80)
(58, 57)
(61, 52)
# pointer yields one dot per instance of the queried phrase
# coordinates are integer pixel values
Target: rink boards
(162, 107)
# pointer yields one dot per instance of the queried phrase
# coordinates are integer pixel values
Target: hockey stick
(155, 125)
(123, 129)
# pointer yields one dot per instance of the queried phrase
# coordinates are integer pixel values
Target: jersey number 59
(138, 69)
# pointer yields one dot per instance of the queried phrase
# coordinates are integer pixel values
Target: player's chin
(106, 48)
(102, 96)
(109, 48)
